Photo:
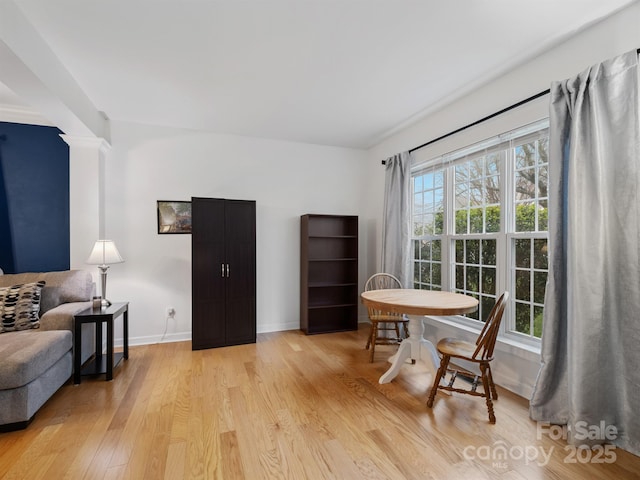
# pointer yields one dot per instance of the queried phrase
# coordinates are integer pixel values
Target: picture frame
(174, 217)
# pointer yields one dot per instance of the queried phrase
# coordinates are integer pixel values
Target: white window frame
(505, 278)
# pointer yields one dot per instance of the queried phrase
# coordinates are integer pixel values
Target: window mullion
(447, 244)
(502, 261)
(531, 288)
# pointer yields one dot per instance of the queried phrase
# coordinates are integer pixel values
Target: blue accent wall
(34, 199)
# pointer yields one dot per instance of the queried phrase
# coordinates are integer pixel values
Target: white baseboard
(151, 339)
(278, 327)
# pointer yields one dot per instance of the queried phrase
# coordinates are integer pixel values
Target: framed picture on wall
(174, 217)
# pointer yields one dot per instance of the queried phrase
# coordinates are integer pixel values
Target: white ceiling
(333, 72)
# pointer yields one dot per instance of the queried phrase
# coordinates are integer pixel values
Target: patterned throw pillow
(19, 306)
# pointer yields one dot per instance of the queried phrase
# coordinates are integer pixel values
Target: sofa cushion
(62, 287)
(62, 317)
(19, 306)
(28, 354)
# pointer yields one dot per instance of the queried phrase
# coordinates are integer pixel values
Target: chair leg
(487, 392)
(374, 337)
(444, 363)
(370, 337)
(397, 330)
(494, 392)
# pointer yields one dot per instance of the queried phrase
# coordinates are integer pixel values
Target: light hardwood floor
(289, 407)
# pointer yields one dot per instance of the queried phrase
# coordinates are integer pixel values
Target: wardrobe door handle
(222, 267)
(227, 270)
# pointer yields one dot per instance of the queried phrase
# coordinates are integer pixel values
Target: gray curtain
(590, 370)
(396, 220)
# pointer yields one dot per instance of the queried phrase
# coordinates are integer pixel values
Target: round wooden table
(417, 303)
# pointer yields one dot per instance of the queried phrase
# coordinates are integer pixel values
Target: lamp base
(103, 277)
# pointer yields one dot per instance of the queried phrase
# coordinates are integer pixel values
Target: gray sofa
(35, 363)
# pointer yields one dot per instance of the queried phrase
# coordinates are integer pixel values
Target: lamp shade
(104, 253)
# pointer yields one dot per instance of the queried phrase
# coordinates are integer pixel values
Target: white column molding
(87, 157)
(22, 114)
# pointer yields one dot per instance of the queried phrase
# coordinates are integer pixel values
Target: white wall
(614, 36)
(286, 180)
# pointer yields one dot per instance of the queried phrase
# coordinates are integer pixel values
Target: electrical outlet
(171, 312)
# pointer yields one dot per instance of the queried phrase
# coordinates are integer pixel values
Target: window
(528, 243)
(480, 225)
(428, 217)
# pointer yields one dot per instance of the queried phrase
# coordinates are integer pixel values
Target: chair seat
(388, 318)
(457, 348)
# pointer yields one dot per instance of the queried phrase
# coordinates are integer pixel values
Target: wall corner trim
(87, 142)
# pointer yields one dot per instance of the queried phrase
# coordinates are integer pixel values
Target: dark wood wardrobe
(223, 250)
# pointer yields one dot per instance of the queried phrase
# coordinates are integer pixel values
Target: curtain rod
(484, 119)
(473, 124)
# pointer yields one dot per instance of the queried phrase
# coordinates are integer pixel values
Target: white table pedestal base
(416, 348)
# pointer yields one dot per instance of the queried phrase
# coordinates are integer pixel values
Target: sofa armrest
(61, 317)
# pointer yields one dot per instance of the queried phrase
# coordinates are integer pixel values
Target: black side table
(100, 364)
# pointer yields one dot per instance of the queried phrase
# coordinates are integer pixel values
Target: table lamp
(104, 253)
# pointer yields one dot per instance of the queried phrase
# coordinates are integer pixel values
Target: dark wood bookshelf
(328, 273)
